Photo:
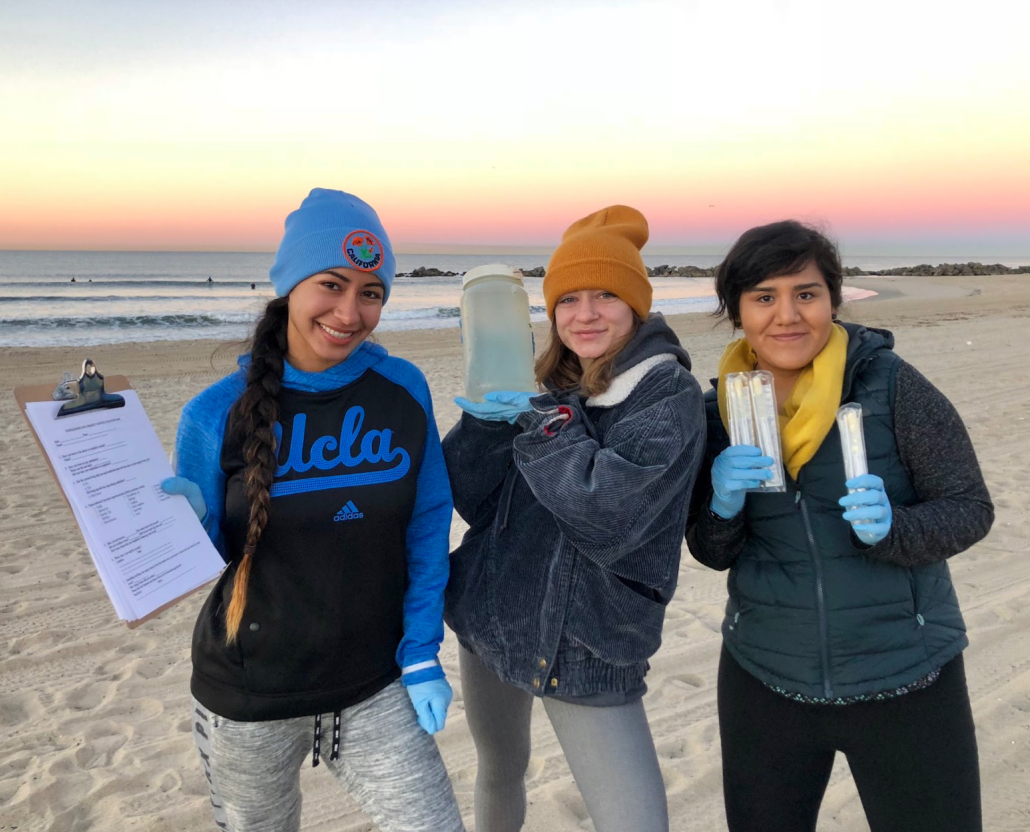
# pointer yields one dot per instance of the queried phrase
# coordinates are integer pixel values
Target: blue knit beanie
(332, 229)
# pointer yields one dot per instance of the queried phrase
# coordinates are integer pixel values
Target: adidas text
(348, 512)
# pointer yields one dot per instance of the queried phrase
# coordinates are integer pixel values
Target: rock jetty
(422, 271)
(944, 270)
(924, 270)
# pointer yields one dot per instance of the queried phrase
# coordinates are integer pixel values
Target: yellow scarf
(809, 413)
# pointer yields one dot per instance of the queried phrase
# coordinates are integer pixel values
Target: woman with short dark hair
(842, 629)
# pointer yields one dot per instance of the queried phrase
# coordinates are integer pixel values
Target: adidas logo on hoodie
(348, 512)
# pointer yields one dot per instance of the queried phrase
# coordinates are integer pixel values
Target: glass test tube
(738, 404)
(852, 444)
(852, 440)
(767, 426)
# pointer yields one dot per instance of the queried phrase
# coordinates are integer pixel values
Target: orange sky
(464, 125)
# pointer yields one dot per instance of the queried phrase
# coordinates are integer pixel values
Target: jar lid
(491, 270)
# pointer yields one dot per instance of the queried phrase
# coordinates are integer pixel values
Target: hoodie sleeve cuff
(427, 671)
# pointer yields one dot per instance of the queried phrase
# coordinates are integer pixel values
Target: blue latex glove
(500, 406)
(188, 489)
(734, 471)
(431, 700)
(868, 511)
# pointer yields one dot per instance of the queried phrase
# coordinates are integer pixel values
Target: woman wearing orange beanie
(576, 501)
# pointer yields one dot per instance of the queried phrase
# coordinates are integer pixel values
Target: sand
(94, 728)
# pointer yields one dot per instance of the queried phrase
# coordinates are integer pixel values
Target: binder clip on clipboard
(149, 552)
(85, 394)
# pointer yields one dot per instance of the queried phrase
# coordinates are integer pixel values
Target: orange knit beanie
(602, 251)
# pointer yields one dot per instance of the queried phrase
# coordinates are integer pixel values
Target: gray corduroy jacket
(561, 582)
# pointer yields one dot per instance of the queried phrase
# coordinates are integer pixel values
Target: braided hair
(251, 423)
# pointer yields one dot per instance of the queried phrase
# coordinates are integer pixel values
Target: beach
(94, 717)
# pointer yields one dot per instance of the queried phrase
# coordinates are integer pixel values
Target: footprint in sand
(535, 768)
(569, 798)
(153, 668)
(686, 680)
(101, 747)
(170, 781)
(20, 708)
(672, 750)
(88, 696)
(125, 711)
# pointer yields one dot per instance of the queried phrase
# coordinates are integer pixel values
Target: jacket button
(543, 662)
(254, 627)
(536, 683)
(554, 682)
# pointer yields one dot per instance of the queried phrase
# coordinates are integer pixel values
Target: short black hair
(774, 250)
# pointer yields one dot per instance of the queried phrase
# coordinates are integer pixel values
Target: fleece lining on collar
(624, 383)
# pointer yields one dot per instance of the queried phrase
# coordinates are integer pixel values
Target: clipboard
(93, 392)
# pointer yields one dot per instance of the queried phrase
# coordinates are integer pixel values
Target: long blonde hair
(560, 367)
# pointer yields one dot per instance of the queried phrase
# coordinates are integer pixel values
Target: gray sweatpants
(387, 763)
(610, 751)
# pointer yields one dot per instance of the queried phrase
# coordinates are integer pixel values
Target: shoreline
(38, 365)
(88, 322)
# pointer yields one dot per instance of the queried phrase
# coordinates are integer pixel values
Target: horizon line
(657, 251)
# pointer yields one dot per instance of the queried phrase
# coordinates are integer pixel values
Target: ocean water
(81, 298)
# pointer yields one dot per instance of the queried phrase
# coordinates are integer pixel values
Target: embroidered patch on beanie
(363, 250)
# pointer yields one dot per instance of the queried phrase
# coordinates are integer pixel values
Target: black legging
(913, 758)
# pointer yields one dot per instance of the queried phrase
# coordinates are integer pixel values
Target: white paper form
(148, 546)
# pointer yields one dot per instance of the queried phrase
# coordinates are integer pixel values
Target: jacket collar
(624, 383)
(654, 343)
(367, 355)
(654, 337)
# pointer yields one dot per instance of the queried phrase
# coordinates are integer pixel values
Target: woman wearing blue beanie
(316, 469)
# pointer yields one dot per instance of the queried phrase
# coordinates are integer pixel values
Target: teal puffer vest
(808, 611)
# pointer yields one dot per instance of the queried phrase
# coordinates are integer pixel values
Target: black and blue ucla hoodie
(346, 587)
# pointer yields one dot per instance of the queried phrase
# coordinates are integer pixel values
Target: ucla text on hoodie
(347, 580)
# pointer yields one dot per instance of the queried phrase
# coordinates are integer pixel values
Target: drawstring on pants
(317, 749)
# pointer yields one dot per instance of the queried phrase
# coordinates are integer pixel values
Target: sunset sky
(901, 126)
